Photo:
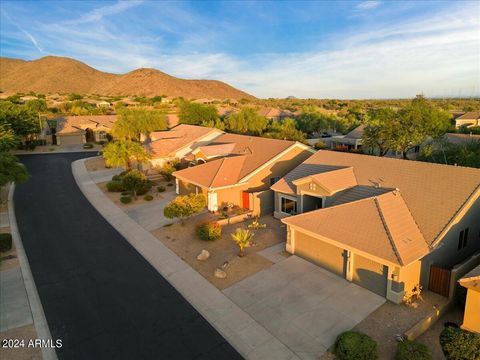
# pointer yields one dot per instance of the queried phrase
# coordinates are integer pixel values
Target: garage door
(70, 140)
(325, 255)
(370, 275)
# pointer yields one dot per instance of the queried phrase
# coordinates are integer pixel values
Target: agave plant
(242, 238)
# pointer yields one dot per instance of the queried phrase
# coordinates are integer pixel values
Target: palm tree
(242, 237)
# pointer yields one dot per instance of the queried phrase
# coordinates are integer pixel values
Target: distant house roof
(78, 124)
(271, 113)
(471, 280)
(356, 133)
(434, 193)
(167, 143)
(471, 115)
(454, 138)
(247, 154)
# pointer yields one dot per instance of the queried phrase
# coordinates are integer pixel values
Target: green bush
(352, 345)
(161, 188)
(209, 231)
(169, 184)
(320, 145)
(412, 350)
(5, 242)
(115, 186)
(458, 344)
(88, 146)
(148, 198)
(125, 199)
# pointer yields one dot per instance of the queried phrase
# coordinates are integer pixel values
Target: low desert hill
(52, 74)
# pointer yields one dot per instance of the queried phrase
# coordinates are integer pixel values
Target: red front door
(246, 200)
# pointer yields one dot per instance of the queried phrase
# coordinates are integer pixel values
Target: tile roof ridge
(387, 230)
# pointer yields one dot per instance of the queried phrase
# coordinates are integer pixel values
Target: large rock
(204, 255)
(219, 273)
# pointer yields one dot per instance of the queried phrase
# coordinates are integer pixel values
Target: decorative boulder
(219, 273)
(204, 255)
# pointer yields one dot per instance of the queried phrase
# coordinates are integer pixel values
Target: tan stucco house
(380, 222)
(471, 316)
(239, 170)
(77, 130)
(471, 118)
(178, 142)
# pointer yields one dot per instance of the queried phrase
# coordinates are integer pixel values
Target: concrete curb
(39, 320)
(246, 335)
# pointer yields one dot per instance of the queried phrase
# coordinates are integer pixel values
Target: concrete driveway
(303, 305)
(150, 215)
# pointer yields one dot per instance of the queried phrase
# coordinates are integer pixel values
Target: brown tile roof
(248, 154)
(332, 181)
(461, 138)
(381, 226)
(217, 149)
(78, 124)
(434, 193)
(471, 115)
(356, 133)
(166, 143)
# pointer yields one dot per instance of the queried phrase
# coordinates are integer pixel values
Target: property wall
(446, 254)
(77, 139)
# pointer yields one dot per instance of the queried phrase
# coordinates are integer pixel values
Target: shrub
(209, 231)
(352, 345)
(115, 186)
(458, 344)
(136, 182)
(5, 242)
(169, 184)
(412, 350)
(148, 198)
(88, 146)
(242, 238)
(161, 189)
(185, 206)
(320, 145)
(125, 199)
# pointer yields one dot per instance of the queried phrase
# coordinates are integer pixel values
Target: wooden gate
(439, 281)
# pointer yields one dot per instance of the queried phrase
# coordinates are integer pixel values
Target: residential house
(76, 130)
(471, 118)
(471, 316)
(275, 114)
(239, 170)
(172, 120)
(457, 139)
(176, 143)
(348, 142)
(379, 222)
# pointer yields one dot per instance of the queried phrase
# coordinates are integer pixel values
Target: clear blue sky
(349, 49)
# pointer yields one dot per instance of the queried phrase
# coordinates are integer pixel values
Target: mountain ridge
(54, 74)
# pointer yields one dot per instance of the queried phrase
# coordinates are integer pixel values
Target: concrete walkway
(14, 306)
(246, 335)
(104, 175)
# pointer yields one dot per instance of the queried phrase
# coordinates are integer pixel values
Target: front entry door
(246, 200)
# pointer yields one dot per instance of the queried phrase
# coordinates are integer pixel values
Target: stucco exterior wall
(446, 254)
(409, 277)
(471, 317)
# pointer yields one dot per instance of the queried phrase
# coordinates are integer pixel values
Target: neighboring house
(348, 142)
(471, 316)
(380, 222)
(205, 101)
(172, 120)
(471, 118)
(275, 114)
(178, 142)
(239, 170)
(457, 139)
(76, 130)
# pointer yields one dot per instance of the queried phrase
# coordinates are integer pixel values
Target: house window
(273, 180)
(462, 239)
(288, 206)
(102, 135)
(313, 186)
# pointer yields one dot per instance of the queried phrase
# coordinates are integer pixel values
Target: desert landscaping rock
(204, 255)
(219, 273)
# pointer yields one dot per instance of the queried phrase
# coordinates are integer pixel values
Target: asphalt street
(100, 297)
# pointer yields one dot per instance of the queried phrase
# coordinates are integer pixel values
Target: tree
(23, 121)
(286, 130)
(37, 105)
(459, 344)
(246, 121)
(379, 130)
(11, 170)
(134, 181)
(123, 153)
(242, 238)
(183, 207)
(8, 140)
(465, 154)
(133, 123)
(198, 114)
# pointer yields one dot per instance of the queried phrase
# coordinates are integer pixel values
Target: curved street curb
(246, 335)
(39, 319)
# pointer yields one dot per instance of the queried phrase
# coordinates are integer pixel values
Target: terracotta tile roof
(217, 149)
(166, 143)
(381, 226)
(78, 124)
(356, 133)
(359, 192)
(254, 152)
(434, 193)
(336, 180)
(471, 115)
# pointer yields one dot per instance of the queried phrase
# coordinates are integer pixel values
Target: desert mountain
(52, 74)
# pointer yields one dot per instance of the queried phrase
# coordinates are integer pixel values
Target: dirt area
(6, 263)
(115, 196)
(25, 333)
(95, 164)
(432, 335)
(183, 240)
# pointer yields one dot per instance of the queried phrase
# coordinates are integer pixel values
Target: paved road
(99, 295)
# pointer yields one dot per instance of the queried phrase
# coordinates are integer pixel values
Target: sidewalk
(246, 335)
(21, 313)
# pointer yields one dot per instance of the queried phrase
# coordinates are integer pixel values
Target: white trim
(272, 160)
